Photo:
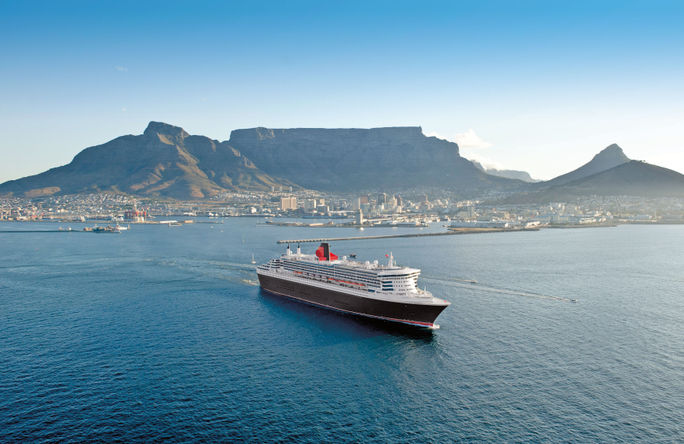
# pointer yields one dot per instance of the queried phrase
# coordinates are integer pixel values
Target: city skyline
(531, 86)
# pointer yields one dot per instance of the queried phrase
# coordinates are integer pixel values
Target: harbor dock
(451, 232)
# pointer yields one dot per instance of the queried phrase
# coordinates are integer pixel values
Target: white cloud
(484, 161)
(121, 68)
(470, 146)
(434, 134)
(470, 139)
(123, 110)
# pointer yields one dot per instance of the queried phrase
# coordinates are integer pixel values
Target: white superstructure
(368, 279)
(387, 292)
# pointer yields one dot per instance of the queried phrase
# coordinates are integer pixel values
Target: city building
(288, 203)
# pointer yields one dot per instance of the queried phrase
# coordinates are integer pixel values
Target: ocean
(162, 333)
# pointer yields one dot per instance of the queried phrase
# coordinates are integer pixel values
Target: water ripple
(144, 337)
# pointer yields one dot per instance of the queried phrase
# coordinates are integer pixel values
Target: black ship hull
(412, 314)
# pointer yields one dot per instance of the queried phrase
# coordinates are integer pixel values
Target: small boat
(107, 229)
(352, 255)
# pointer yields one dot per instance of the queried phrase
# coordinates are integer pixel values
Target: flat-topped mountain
(163, 161)
(167, 161)
(363, 159)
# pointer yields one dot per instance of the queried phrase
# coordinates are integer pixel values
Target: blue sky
(538, 86)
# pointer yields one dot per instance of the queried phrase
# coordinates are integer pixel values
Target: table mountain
(163, 161)
(363, 159)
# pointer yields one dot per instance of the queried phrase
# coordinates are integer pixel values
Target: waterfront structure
(388, 292)
(135, 215)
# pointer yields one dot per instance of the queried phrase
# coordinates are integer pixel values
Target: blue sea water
(163, 333)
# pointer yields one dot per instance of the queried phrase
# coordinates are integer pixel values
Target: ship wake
(474, 285)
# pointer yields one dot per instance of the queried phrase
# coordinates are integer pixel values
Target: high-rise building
(288, 203)
(357, 204)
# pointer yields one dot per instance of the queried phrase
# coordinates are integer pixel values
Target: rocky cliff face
(167, 161)
(362, 159)
(163, 161)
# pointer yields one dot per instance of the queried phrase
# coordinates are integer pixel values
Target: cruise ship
(388, 292)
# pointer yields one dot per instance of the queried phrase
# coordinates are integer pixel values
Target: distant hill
(163, 161)
(509, 174)
(632, 178)
(363, 159)
(606, 159)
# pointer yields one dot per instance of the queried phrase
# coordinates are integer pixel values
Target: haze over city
(534, 86)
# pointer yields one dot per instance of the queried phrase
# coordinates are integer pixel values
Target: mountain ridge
(354, 159)
(167, 161)
(509, 174)
(607, 158)
(631, 178)
(634, 178)
(163, 161)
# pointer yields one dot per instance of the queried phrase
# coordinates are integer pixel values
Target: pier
(391, 236)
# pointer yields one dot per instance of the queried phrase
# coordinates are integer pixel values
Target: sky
(539, 86)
